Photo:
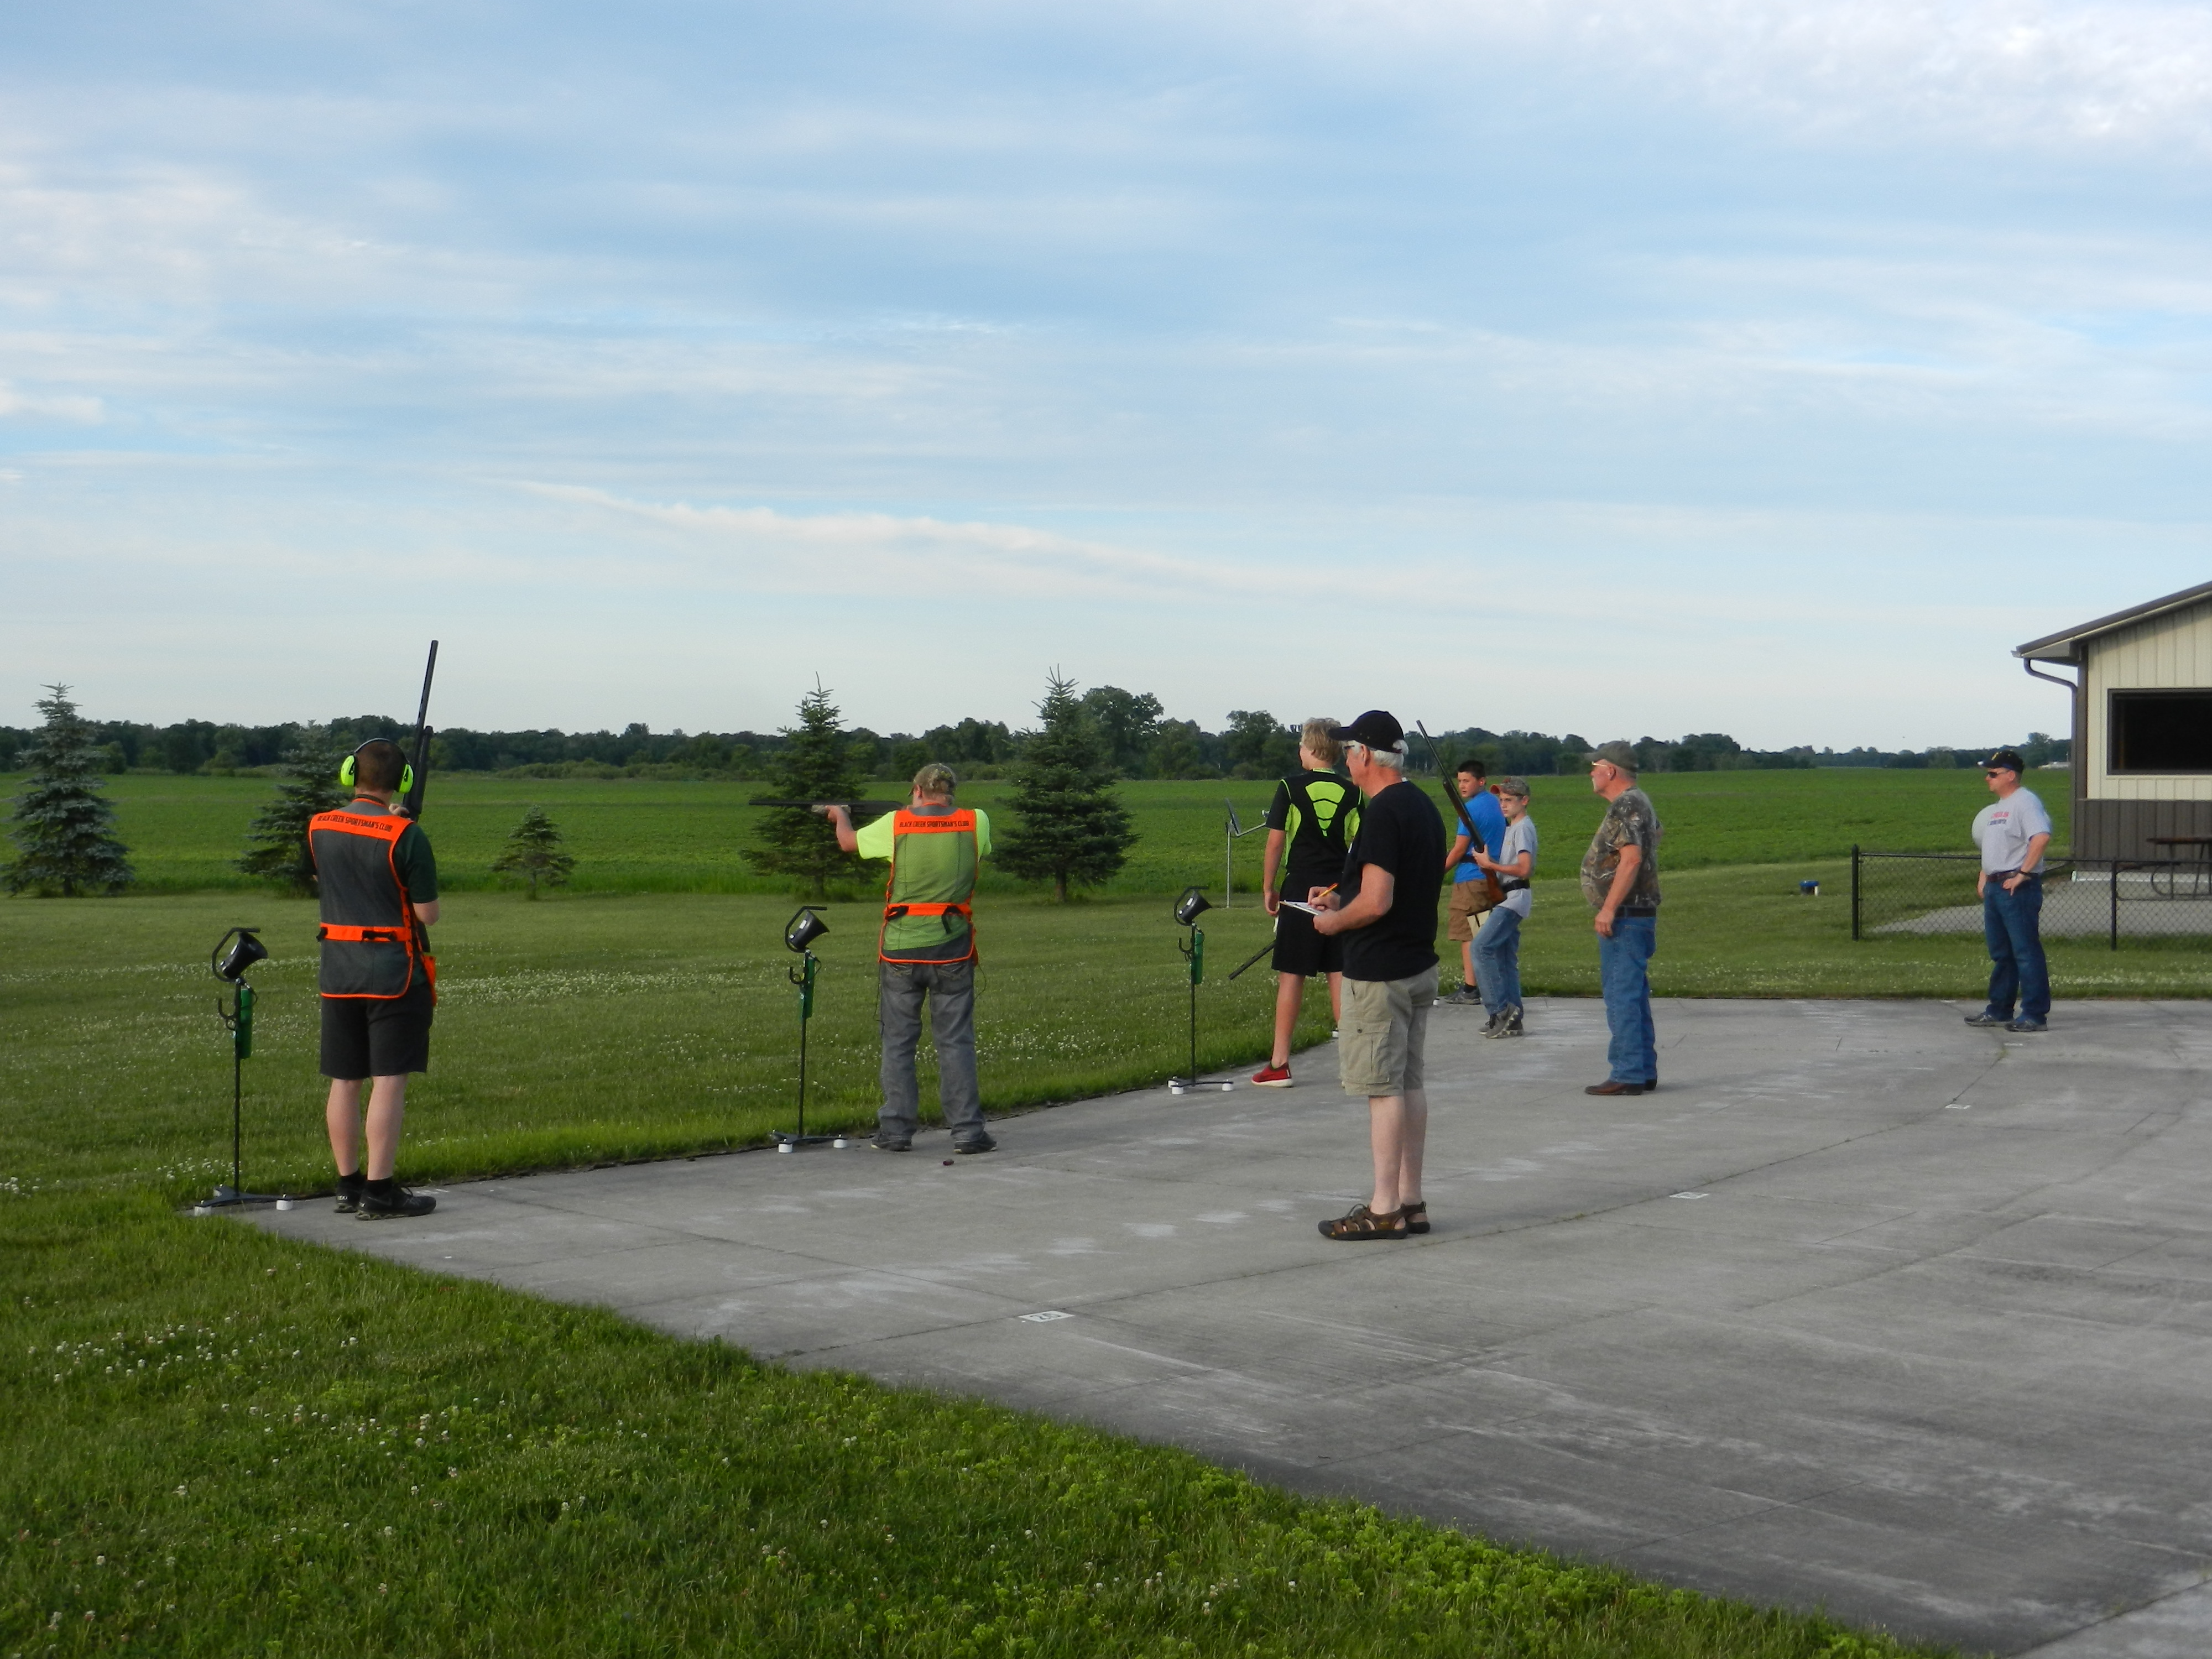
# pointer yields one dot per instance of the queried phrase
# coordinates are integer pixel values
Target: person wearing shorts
(1309, 828)
(1470, 892)
(1384, 907)
(1498, 951)
(377, 882)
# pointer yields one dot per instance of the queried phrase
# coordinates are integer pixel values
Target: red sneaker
(1274, 1077)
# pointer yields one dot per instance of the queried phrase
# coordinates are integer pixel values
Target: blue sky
(1707, 365)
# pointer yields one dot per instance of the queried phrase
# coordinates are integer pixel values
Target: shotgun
(854, 808)
(1491, 884)
(413, 805)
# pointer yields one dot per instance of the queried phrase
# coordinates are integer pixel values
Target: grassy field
(219, 1443)
(637, 835)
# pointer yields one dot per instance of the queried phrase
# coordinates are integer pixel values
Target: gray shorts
(1386, 1027)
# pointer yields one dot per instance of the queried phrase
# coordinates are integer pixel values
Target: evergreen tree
(63, 826)
(277, 842)
(534, 849)
(1070, 829)
(814, 764)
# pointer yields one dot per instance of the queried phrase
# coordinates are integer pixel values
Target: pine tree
(277, 842)
(1071, 827)
(814, 764)
(534, 849)
(63, 826)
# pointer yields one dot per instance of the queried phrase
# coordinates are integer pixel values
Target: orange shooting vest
(372, 942)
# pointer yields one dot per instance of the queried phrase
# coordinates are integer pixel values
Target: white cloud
(2022, 73)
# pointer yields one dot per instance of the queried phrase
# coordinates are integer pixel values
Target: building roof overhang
(2065, 646)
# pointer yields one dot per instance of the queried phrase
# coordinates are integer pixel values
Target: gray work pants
(950, 988)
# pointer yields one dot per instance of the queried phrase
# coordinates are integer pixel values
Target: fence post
(1855, 891)
(2116, 903)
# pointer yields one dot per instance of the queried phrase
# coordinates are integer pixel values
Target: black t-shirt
(1401, 831)
(1318, 839)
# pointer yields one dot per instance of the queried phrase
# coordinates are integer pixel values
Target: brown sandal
(1417, 1216)
(1360, 1222)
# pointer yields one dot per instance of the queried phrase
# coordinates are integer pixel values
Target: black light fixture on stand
(800, 934)
(1187, 909)
(233, 954)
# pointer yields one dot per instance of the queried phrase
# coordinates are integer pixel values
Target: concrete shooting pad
(1864, 1310)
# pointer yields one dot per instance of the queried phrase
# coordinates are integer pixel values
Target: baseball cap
(2007, 758)
(1378, 728)
(1615, 753)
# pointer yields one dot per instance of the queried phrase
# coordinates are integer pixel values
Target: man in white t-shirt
(2012, 831)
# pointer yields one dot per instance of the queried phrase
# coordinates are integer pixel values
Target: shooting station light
(1192, 905)
(803, 929)
(1188, 909)
(238, 950)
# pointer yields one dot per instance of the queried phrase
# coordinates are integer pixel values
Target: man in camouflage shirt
(1620, 878)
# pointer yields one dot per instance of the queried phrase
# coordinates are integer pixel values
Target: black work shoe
(395, 1204)
(350, 1188)
(884, 1143)
(1987, 1018)
(2025, 1024)
(980, 1144)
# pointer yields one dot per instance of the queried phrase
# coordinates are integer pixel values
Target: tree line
(1141, 741)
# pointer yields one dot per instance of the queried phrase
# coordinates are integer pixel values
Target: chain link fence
(2112, 899)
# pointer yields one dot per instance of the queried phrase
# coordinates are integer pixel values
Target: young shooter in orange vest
(927, 951)
(378, 887)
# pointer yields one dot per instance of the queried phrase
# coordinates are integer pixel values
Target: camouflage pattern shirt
(1629, 821)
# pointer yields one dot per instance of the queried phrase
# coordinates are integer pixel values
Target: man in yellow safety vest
(927, 951)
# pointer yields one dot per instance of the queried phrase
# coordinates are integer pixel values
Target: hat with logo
(1377, 729)
(1616, 754)
(2008, 759)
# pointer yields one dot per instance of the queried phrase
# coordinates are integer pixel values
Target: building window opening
(2161, 731)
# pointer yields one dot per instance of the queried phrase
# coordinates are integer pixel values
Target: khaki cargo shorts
(1386, 1026)
(1469, 899)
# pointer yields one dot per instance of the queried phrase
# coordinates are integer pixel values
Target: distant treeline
(1146, 743)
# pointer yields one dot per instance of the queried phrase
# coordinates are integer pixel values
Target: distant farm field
(640, 835)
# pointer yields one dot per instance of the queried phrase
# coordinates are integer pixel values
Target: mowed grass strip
(220, 1442)
(603, 1027)
(635, 834)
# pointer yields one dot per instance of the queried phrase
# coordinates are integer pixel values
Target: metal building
(2142, 723)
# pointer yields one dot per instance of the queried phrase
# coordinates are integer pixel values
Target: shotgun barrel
(413, 805)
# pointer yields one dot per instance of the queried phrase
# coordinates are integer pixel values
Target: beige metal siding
(2171, 652)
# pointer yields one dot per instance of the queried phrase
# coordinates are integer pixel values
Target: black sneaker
(883, 1142)
(2026, 1026)
(350, 1188)
(1508, 1024)
(980, 1144)
(397, 1204)
(1985, 1018)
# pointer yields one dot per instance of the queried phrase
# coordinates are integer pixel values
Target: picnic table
(2174, 869)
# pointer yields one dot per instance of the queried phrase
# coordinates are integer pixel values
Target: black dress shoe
(1611, 1086)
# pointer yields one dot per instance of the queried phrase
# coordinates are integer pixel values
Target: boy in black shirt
(1312, 820)
(1384, 907)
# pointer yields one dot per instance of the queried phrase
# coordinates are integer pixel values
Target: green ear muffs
(346, 771)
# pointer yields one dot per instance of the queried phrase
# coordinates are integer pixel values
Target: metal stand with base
(230, 962)
(799, 933)
(1187, 911)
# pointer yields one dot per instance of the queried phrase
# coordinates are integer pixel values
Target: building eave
(2064, 646)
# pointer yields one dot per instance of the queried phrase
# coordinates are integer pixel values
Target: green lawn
(219, 1443)
(640, 835)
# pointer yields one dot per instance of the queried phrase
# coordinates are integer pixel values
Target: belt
(1637, 910)
(1511, 885)
(2007, 875)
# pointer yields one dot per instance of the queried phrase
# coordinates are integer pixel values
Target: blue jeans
(1624, 972)
(2011, 925)
(1498, 960)
(949, 990)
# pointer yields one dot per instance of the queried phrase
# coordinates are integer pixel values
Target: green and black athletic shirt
(1318, 813)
